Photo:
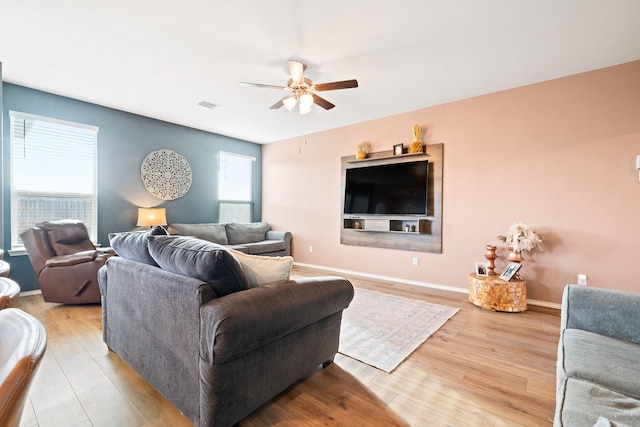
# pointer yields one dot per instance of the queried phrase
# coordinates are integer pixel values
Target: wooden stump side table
(495, 294)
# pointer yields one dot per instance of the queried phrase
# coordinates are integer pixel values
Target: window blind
(53, 172)
(236, 187)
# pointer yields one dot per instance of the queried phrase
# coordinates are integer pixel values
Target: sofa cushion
(212, 232)
(134, 245)
(611, 362)
(583, 403)
(246, 233)
(261, 270)
(200, 259)
(264, 247)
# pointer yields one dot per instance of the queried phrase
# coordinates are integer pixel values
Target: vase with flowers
(520, 237)
(364, 148)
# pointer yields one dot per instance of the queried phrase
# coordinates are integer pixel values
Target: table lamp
(148, 217)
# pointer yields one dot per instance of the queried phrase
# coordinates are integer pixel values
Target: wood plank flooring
(480, 369)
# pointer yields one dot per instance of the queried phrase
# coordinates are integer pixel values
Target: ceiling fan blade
(345, 84)
(264, 86)
(277, 105)
(296, 68)
(322, 102)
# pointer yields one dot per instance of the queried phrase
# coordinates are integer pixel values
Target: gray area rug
(382, 330)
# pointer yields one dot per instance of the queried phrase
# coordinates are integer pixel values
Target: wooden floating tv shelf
(377, 156)
(390, 231)
(391, 224)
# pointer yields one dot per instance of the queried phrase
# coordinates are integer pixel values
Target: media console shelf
(424, 232)
(388, 225)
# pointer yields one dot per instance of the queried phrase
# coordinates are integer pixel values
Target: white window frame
(227, 202)
(17, 248)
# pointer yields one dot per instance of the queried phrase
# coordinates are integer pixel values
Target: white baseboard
(416, 283)
(379, 277)
(28, 293)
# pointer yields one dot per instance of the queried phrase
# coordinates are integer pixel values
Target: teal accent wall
(124, 140)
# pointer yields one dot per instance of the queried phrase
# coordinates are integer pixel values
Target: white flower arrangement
(365, 147)
(521, 237)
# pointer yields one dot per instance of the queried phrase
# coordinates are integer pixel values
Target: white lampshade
(148, 217)
(289, 102)
(306, 101)
(305, 109)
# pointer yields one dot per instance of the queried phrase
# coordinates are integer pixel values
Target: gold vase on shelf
(416, 145)
(364, 148)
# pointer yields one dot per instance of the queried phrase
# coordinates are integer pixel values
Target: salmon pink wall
(558, 154)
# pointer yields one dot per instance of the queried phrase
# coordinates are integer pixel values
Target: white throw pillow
(261, 270)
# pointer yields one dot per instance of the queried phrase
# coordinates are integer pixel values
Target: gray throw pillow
(246, 233)
(212, 232)
(200, 259)
(134, 245)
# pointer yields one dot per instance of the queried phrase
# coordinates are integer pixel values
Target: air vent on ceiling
(210, 105)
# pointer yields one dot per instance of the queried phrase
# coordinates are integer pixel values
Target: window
(53, 173)
(235, 187)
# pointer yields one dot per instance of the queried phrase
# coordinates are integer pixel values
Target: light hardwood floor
(480, 369)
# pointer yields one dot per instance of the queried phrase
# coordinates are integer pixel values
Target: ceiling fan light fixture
(306, 100)
(289, 102)
(304, 109)
(302, 90)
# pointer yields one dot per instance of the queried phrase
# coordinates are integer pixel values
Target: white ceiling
(160, 58)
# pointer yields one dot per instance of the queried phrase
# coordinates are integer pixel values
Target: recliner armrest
(238, 323)
(73, 259)
(106, 251)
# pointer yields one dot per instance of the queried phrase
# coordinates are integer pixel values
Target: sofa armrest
(72, 259)
(602, 311)
(278, 235)
(238, 323)
(281, 235)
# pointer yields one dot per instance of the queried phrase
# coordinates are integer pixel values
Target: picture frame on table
(481, 269)
(510, 271)
(398, 149)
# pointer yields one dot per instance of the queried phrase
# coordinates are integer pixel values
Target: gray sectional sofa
(598, 371)
(255, 238)
(182, 313)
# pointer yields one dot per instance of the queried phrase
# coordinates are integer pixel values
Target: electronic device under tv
(393, 189)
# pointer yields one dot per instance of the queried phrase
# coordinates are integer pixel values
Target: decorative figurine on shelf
(491, 256)
(364, 148)
(416, 146)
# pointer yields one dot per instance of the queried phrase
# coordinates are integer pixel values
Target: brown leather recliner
(65, 261)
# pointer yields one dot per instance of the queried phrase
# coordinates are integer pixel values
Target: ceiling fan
(303, 90)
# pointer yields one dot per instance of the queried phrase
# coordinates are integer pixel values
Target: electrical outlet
(582, 279)
(415, 260)
(310, 248)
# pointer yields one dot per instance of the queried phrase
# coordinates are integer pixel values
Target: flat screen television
(394, 189)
